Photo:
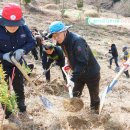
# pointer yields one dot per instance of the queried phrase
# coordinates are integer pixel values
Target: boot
(117, 69)
(127, 75)
(27, 120)
(14, 119)
(109, 66)
(95, 109)
(25, 117)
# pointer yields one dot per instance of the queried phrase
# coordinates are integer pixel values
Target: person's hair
(113, 45)
(48, 45)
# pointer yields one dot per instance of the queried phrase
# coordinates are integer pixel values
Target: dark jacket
(80, 57)
(10, 42)
(126, 55)
(113, 50)
(57, 56)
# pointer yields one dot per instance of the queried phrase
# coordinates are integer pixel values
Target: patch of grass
(26, 68)
(97, 54)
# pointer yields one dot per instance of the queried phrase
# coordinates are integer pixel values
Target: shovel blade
(46, 103)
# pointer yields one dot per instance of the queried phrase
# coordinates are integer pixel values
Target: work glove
(54, 64)
(6, 57)
(18, 54)
(126, 64)
(44, 71)
(70, 84)
(67, 68)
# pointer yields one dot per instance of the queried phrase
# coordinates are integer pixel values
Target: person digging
(50, 55)
(114, 53)
(125, 58)
(85, 67)
(17, 40)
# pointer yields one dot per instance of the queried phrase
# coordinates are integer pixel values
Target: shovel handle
(46, 103)
(18, 65)
(68, 79)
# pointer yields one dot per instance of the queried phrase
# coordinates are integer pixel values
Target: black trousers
(127, 73)
(18, 88)
(93, 87)
(34, 53)
(116, 61)
(60, 64)
(35, 50)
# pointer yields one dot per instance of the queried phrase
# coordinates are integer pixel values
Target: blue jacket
(10, 42)
(80, 57)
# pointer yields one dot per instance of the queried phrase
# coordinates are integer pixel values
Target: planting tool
(68, 80)
(111, 85)
(74, 104)
(46, 103)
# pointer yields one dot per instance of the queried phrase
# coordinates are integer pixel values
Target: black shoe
(14, 119)
(95, 110)
(127, 76)
(109, 66)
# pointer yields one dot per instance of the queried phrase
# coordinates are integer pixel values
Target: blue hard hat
(57, 26)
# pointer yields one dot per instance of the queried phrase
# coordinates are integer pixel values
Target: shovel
(46, 103)
(111, 85)
(68, 80)
(74, 104)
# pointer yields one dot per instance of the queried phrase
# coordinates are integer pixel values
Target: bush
(6, 98)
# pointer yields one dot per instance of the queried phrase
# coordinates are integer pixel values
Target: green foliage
(26, 68)
(27, 1)
(79, 3)
(97, 54)
(6, 98)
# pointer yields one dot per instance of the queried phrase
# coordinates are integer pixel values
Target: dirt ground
(116, 112)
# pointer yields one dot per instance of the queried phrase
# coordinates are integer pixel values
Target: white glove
(70, 84)
(54, 64)
(6, 57)
(18, 54)
(126, 64)
(44, 71)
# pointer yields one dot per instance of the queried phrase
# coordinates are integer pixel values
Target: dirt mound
(9, 126)
(51, 6)
(78, 123)
(73, 14)
(90, 13)
(54, 87)
(41, 10)
(73, 105)
(106, 4)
